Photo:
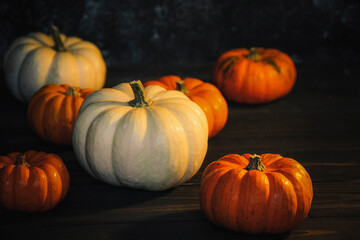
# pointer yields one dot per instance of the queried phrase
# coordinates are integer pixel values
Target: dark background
(186, 33)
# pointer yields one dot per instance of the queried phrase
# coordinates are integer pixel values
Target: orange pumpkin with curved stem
(206, 95)
(256, 194)
(254, 76)
(32, 181)
(53, 109)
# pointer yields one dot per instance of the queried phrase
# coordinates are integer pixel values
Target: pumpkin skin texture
(153, 140)
(254, 76)
(33, 181)
(38, 59)
(53, 109)
(273, 199)
(206, 95)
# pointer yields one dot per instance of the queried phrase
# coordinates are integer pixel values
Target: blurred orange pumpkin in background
(255, 75)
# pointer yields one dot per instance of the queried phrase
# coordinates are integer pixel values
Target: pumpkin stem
(254, 54)
(180, 86)
(59, 45)
(21, 160)
(140, 99)
(255, 163)
(73, 91)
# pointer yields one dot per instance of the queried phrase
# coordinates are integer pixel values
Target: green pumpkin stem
(180, 86)
(73, 91)
(254, 54)
(255, 163)
(21, 160)
(140, 99)
(59, 45)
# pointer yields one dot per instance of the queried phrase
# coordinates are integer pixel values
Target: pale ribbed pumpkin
(152, 138)
(256, 194)
(38, 59)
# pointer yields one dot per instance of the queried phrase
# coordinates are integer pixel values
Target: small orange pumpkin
(33, 181)
(206, 95)
(256, 194)
(53, 109)
(254, 76)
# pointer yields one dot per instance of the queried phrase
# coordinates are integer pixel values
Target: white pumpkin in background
(37, 59)
(154, 140)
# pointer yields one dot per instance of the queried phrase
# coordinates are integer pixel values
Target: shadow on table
(190, 224)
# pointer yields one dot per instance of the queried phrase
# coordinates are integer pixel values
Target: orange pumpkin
(254, 76)
(33, 181)
(206, 95)
(256, 194)
(53, 109)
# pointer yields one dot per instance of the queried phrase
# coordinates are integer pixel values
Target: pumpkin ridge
(53, 88)
(6, 192)
(42, 38)
(157, 112)
(34, 187)
(282, 223)
(97, 120)
(187, 173)
(56, 162)
(49, 171)
(15, 48)
(83, 45)
(19, 44)
(29, 155)
(118, 129)
(236, 177)
(4, 161)
(50, 123)
(228, 66)
(207, 109)
(68, 115)
(194, 166)
(11, 177)
(35, 158)
(36, 112)
(216, 197)
(302, 209)
(192, 83)
(82, 80)
(71, 38)
(272, 62)
(21, 177)
(270, 159)
(86, 92)
(235, 159)
(37, 40)
(46, 79)
(89, 159)
(28, 57)
(244, 88)
(254, 193)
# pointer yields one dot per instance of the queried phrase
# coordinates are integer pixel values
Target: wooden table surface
(317, 124)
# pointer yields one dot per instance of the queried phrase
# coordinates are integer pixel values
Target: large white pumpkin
(38, 59)
(153, 141)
